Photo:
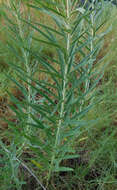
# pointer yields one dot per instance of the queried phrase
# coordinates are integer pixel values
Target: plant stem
(91, 46)
(28, 69)
(57, 140)
(26, 167)
(87, 83)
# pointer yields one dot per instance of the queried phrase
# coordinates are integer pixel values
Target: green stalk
(57, 140)
(87, 83)
(91, 47)
(28, 69)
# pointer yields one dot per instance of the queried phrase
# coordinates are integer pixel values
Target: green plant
(49, 124)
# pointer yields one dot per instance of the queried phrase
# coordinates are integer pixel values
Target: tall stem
(62, 110)
(87, 83)
(91, 46)
(27, 65)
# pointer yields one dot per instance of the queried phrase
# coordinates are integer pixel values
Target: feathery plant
(50, 116)
(18, 36)
(23, 37)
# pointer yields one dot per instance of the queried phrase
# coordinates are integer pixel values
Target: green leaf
(85, 59)
(63, 169)
(19, 85)
(49, 8)
(70, 156)
(59, 20)
(48, 28)
(40, 31)
(51, 43)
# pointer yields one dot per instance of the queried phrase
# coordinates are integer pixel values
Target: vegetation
(58, 95)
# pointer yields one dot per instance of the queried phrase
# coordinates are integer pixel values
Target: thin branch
(26, 167)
